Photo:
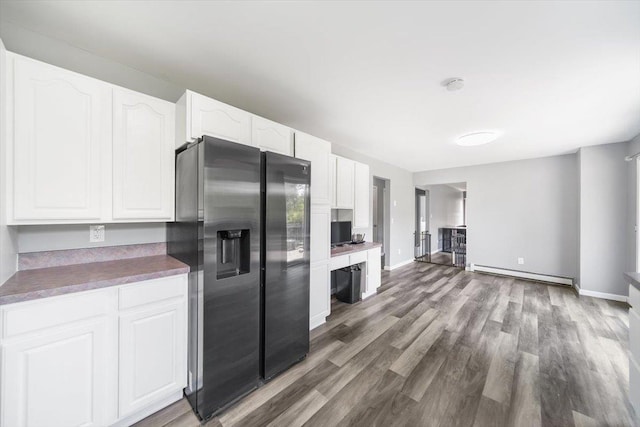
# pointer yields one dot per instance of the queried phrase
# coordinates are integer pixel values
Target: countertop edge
(89, 286)
(357, 248)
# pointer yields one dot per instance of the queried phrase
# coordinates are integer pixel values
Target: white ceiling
(553, 76)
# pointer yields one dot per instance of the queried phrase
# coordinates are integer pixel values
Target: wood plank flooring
(440, 346)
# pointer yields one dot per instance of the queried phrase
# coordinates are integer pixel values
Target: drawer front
(634, 298)
(339, 262)
(32, 316)
(358, 257)
(151, 291)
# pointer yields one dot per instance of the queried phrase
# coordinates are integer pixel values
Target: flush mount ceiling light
(477, 138)
(454, 84)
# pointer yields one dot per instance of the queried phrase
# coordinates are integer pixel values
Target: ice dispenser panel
(234, 253)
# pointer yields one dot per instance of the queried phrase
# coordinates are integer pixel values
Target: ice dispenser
(234, 253)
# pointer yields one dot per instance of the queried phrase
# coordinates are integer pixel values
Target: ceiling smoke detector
(454, 84)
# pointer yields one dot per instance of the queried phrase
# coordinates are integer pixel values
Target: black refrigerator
(242, 225)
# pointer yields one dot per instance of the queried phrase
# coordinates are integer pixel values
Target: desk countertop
(349, 249)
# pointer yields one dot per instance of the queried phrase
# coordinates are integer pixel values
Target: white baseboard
(522, 274)
(601, 295)
(400, 264)
(317, 321)
(148, 410)
(369, 294)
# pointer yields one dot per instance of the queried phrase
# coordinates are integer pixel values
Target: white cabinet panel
(271, 136)
(319, 294)
(374, 269)
(333, 190)
(339, 262)
(345, 169)
(75, 360)
(61, 143)
(214, 118)
(361, 208)
(317, 151)
(143, 151)
(60, 378)
(320, 233)
(152, 354)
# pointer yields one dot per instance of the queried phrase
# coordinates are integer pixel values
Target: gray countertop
(51, 281)
(349, 249)
(634, 279)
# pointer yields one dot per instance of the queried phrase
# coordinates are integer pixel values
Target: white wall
(401, 200)
(8, 247)
(36, 238)
(526, 208)
(603, 218)
(445, 209)
(25, 42)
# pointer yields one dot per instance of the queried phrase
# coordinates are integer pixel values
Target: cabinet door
(319, 295)
(320, 233)
(344, 182)
(333, 190)
(214, 118)
(374, 270)
(361, 206)
(317, 152)
(59, 378)
(152, 354)
(271, 136)
(143, 167)
(61, 144)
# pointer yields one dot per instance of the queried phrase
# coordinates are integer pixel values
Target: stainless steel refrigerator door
(286, 210)
(231, 315)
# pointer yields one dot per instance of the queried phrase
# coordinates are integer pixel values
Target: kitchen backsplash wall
(37, 238)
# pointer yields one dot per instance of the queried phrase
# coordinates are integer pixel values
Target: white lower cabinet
(152, 354)
(87, 359)
(319, 294)
(374, 270)
(59, 378)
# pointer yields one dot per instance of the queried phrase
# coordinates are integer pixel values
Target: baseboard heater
(522, 274)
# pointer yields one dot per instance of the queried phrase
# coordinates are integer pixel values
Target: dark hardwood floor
(440, 346)
(443, 258)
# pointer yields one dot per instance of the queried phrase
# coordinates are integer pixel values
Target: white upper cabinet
(143, 153)
(271, 136)
(60, 146)
(318, 152)
(361, 207)
(345, 170)
(206, 116)
(333, 191)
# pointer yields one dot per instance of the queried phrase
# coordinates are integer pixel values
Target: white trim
(151, 409)
(317, 321)
(400, 264)
(603, 295)
(522, 274)
(369, 294)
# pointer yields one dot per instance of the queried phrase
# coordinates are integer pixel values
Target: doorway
(441, 224)
(380, 208)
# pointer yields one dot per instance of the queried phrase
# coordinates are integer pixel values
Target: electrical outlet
(395, 203)
(520, 261)
(399, 251)
(391, 220)
(96, 233)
